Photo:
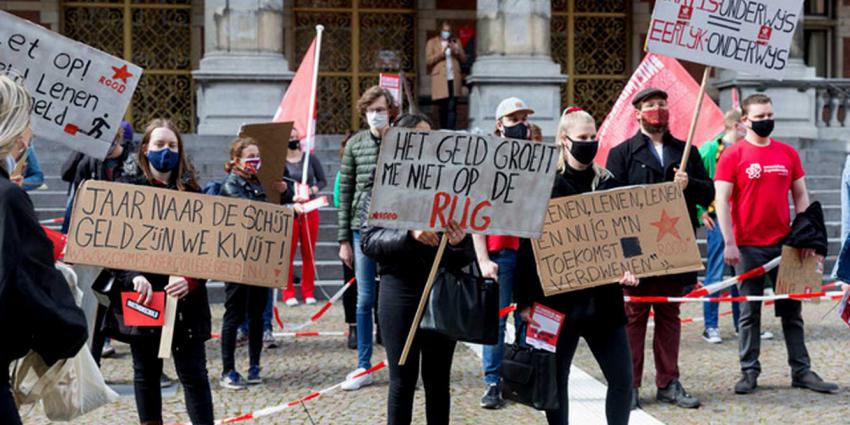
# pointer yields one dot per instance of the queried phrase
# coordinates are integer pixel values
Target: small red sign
(138, 314)
(71, 129)
(685, 13)
(764, 34)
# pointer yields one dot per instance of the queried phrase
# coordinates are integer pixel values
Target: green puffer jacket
(358, 163)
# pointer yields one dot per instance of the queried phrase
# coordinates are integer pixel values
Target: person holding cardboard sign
(161, 162)
(756, 176)
(653, 155)
(37, 310)
(595, 314)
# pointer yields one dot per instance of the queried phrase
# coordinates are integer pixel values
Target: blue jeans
(492, 355)
(365, 271)
(714, 273)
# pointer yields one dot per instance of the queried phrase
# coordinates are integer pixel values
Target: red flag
(666, 74)
(295, 105)
(59, 240)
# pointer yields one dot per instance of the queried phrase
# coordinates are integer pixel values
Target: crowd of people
(736, 186)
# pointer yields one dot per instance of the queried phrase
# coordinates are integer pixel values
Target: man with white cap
(497, 254)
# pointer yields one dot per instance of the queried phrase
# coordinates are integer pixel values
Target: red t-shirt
(498, 243)
(762, 177)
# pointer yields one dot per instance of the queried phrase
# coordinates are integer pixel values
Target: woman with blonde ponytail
(37, 311)
(595, 314)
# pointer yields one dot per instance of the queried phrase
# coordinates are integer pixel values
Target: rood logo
(764, 34)
(754, 171)
(685, 13)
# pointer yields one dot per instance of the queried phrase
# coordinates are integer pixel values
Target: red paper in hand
(138, 314)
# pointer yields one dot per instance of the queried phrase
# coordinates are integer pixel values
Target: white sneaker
(353, 384)
(310, 300)
(766, 335)
(712, 335)
(292, 302)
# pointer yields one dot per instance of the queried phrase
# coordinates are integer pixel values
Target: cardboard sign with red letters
(79, 93)
(487, 184)
(752, 36)
(138, 314)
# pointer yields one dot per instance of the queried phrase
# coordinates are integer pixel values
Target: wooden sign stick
(428, 285)
(693, 129)
(167, 335)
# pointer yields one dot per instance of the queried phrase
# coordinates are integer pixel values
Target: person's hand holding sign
(629, 279)
(280, 186)
(681, 178)
(425, 238)
(455, 233)
(178, 288)
(143, 287)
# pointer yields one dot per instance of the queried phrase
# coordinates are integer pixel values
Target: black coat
(193, 310)
(37, 310)
(236, 186)
(601, 306)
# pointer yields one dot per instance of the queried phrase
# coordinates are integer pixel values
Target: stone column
(514, 60)
(243, 73)
(794, 105)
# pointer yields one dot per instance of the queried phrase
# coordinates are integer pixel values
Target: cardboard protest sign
(273, 141)
(799, 275)
(666, 74)
(79, 93)
(594, 238)
(752, 36)
(163, 231)
(138, 314)
(487, 184)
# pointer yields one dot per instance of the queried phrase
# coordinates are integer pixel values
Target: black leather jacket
(236, 186)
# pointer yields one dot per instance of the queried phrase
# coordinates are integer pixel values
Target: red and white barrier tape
(57, 220)
(294, 327)
(833, 295)
(299, 334)
(268, 411)
(719, 286)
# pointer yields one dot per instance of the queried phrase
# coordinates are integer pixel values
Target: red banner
(666, 74)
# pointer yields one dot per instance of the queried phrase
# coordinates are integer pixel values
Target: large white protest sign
(79, 93)
(487, 184)
(752, 36)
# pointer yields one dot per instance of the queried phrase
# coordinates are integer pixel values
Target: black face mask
(763, 128)
(519, 131)
(584, 151)
(294, 144)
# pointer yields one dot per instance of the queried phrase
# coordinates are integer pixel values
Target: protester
(358, 164)
(595, 314)
(349, 297)
(653, 155)
(710, 152)
(161, 162)
(755, 177)
(404, 259)
(306, 226)
(445, 55)
(496, 256)
(37, 310)
(33, 177)
(241, 299)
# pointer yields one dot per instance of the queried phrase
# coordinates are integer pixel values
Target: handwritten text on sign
(744, 35)
(175, 233)
(79, 93)
(485, 183)
(593, 239)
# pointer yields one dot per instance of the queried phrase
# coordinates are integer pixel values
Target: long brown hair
(236, 147)
(184, 178)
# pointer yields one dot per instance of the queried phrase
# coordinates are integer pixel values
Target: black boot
(352, 337)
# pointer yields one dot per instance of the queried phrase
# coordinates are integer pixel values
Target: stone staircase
(822, 160)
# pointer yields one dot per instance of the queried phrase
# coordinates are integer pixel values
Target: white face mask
(377, 120)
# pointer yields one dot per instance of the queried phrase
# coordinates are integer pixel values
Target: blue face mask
(163, 160)
(445, 34)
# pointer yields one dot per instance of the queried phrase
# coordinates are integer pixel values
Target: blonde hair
(573, 116)
(15, 105)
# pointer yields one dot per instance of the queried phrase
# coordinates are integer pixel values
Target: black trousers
(789, 311)
(397, 306)
(99, 336)
(8, 408)
(610, 347)
(190, 360)
(448, 109)
(241, 300)
(349, 298)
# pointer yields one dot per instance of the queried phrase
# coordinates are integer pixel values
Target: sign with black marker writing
(594, 238)
(489, 185)
(168, 232)
(752, 36)
(79, 93)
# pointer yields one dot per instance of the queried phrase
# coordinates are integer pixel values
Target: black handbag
(529, 376)
(463, 307)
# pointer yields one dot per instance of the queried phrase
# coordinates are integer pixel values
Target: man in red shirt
(752, 182)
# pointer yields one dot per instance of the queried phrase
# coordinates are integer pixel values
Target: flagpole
(310, 121)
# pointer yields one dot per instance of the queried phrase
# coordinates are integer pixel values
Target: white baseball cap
(511, 105)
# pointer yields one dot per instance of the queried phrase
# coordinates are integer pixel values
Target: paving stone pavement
(301, 366)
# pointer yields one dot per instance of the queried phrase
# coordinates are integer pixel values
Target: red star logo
(121, 73)
(665, 225)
